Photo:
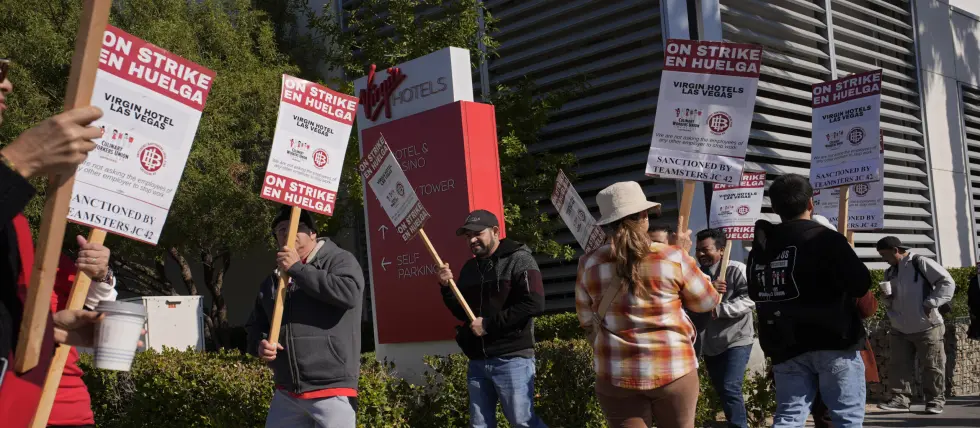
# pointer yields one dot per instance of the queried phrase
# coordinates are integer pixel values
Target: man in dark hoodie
(502, 285)
(805, 280)
(316, 358)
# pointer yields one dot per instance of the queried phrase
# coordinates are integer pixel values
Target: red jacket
(72, 404)
(19, 395)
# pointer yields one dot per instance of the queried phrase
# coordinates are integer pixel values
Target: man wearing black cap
(316, 358)
(919, 287)
(502, 285)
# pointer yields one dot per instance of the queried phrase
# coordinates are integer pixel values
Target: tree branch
(185, 270)
(139, 279)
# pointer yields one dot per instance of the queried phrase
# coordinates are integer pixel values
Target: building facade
(929, 51)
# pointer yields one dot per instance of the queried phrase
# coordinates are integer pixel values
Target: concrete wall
(949, 52)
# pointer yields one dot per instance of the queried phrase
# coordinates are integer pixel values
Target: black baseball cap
(286, 211)
(477, 221)
(890, 243)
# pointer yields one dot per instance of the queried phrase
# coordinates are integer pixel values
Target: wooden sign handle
(452, 284)
(283, 281)
(687, 200)
(725, 259)
(76, 300)
(845, 196)
(81, 82)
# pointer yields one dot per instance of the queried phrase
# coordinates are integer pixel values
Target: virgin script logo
(376, 97)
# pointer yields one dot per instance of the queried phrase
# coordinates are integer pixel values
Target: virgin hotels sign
(440, 78)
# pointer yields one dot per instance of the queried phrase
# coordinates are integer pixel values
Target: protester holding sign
(867, 306)
(502, 285)
(728, 332)
(316, 358)
(56, 145)
(631, 292)
(805, 280)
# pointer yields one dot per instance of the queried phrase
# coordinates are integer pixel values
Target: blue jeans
(839, 375)
(727, 371)
(509, 379)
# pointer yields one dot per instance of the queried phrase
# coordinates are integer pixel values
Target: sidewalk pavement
(958, 412)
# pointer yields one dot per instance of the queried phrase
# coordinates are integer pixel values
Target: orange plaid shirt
(647, 339)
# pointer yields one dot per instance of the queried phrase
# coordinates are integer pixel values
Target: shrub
(383, 399)
(565, 384)
(228, 389)
(564, 326)
(181, 389)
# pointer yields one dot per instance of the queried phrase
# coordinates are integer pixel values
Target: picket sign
(81, 81)
(312, 131)
(573, 211)
(382, 172)
(846, 139)
(147, 134)
(701, 129)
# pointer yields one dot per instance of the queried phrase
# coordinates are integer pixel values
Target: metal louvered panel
(803, 49)
(892, 49)
(971, 131)
(616, 47)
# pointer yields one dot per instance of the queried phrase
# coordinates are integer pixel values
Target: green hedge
(227, 389)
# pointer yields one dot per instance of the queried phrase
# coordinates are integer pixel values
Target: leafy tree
(389, 32)
(217, 213)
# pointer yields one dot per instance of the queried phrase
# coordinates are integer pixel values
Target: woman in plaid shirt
(645, 365)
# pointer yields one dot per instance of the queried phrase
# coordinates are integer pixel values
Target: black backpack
(927, 287)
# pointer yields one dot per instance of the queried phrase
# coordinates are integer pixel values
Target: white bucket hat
(621, 200)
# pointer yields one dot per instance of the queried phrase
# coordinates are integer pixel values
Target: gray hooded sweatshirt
(321, 321)
(729, 325)
(909, 310)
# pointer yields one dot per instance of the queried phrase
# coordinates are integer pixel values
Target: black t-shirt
(805, 280)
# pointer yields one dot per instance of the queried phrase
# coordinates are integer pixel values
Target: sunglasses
(4, 68)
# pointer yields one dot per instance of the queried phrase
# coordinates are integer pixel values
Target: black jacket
(321, 322)
(15, 193)
(505, 289)
(805, 280)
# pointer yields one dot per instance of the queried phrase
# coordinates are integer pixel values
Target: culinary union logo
(320, 158)
(855, 135)
(400, 189)
(298, 149)
(687, 119)
(295, 143)
(151, 158)
(862, 189)
(743, 210)
(719, 122)
(834, 139)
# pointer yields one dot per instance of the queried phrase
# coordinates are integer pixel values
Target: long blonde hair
(629, 244)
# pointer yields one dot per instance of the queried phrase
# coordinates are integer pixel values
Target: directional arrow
(384, 264)
(383, 228)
